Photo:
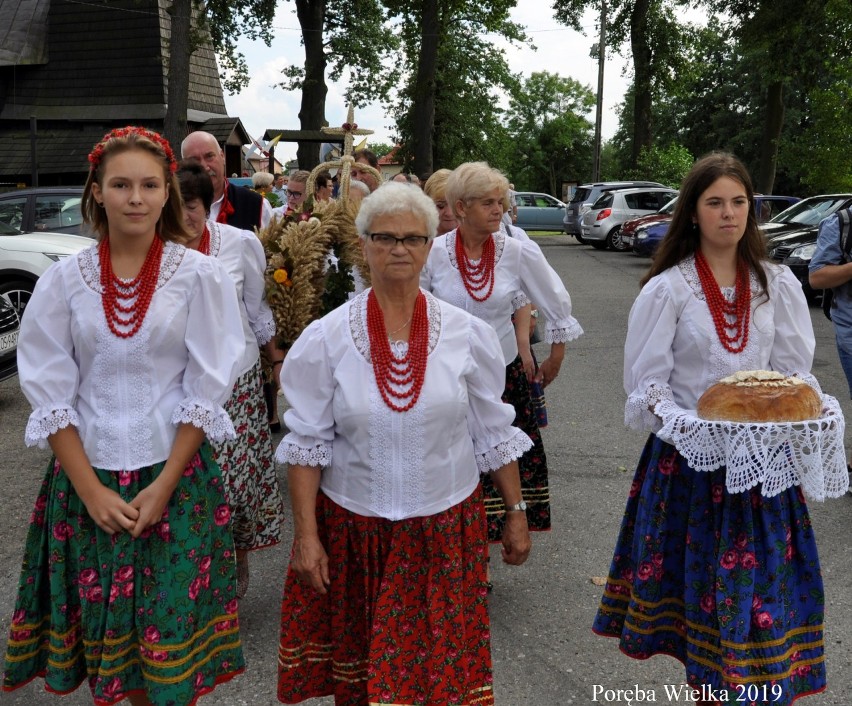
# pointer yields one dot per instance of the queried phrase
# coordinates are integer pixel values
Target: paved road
(544, 651)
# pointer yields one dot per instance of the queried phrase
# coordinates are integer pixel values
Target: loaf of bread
(759, 396)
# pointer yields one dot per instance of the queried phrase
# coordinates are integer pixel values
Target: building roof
(226, 130)
(300, 136)
(23, 32)
(107, 61)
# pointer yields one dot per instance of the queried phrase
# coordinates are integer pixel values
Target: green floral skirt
(157, 614)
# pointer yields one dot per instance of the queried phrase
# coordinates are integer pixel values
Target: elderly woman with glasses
(478, 269)
(395, 413)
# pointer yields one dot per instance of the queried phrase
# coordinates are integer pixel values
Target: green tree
(656, 39)
(550, 130)
(340, 36)
(454, 73)
(193, 23)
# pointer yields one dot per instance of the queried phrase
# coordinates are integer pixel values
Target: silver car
(602, 223)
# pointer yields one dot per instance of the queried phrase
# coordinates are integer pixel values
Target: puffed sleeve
(495, 441)
(793, 345)
(648, 357)
(542, 285)
(260, 318)
(214, 352)
(47, 369)
(308, 384)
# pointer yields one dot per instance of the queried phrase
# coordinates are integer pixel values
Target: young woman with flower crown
(128, 578)
(716, 563)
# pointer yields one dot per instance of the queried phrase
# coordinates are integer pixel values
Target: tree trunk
(311, 14)
(772, 126)
(641, 79)
(177, 96)
(424, 88)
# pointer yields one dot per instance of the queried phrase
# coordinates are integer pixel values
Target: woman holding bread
(727, 582)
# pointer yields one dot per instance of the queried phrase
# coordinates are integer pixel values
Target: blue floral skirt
(729, 584)
(154, 615)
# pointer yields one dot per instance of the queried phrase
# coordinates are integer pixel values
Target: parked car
(628, 229)
(646, 238)
(583, 198)
(25, 256)
(795, 248)
(539, 211)
(51, 208)
(807, 212)
(9, 326)
(602, 223)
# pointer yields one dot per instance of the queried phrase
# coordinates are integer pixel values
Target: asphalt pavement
(544, 651)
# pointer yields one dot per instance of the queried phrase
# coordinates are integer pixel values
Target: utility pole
(596, 165)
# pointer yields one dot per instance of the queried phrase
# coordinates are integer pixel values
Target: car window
(811, 211)
(57, 212)
(604, 201)
(544, 201)
(633, 201)
(580, 194)
(524, 200)
(12, 212)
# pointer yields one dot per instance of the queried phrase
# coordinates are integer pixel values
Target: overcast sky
(559, 50)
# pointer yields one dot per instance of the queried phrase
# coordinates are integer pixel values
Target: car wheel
(613, 240)
(579, 239)
(598, 244)
(18, 293)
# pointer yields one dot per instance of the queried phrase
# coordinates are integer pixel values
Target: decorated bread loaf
(759, 396)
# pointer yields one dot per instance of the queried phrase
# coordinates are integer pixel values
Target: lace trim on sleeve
(265, 331)
(214, 420)
(562, 331)
(46, 421)
(288, 452)
(520, 300)
(637, 412)
(506, 451)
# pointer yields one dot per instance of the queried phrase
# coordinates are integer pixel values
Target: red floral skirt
(405, 620)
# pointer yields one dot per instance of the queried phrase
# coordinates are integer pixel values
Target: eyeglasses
(294, 194)
(409, 242)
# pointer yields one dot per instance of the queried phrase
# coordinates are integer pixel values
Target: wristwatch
(517, 507)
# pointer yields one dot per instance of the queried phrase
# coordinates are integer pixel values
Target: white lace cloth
(775, 455)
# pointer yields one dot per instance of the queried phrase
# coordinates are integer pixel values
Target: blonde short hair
(436, 185)
(473, 180)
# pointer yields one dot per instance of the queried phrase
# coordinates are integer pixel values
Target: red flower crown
(96, 155)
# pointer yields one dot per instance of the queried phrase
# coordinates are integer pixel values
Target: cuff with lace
(637, 412)
(45, 421)
(295, 454)
(264, 331)
(212, 418)
(508, 450)
(562, 331)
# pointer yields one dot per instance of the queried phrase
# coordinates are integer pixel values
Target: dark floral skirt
(532, 465)
(248, 467)
(154, 615)
(405, 620)
(729, 584)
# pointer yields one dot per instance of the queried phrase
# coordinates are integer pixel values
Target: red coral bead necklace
(400, 380)
(126, 302)
(476, 277)
(731, 319)
(203, 245)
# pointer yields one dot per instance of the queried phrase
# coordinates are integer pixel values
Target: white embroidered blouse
(126, 396)
(673, 352)
(519, 268)
(242, 255)
(397, 465)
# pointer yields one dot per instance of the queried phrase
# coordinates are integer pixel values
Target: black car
(54, 209)
(795, 244)
(9, 326)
